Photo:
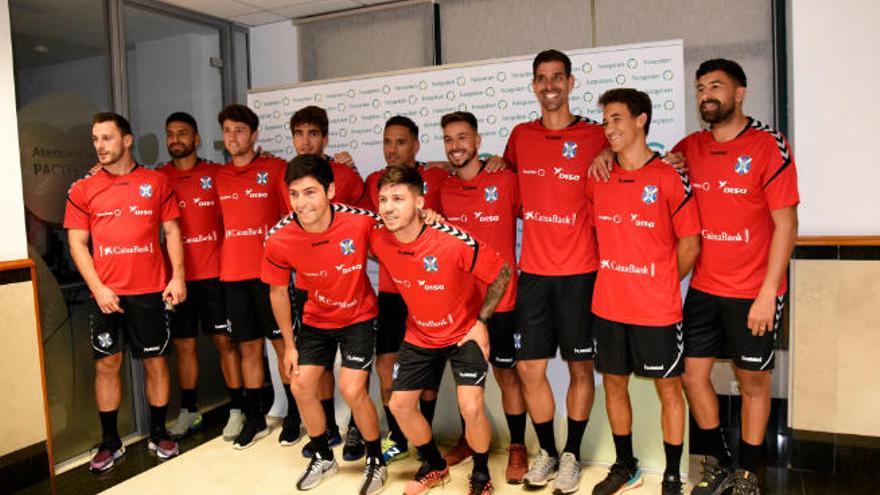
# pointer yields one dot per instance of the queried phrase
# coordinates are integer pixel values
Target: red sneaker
(517, 463)
(425, 479)
(460, 452)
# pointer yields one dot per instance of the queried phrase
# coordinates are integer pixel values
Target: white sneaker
(233, 425)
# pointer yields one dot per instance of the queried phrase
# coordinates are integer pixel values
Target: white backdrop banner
(498, 92)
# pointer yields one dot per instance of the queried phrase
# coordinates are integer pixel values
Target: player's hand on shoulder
(676, 159)
(600, 169)
(494, 164)
(345, 158)
(431, 216)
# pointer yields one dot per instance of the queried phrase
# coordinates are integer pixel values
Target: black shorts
(502, 327)
(716, 326)
(317, 346)
(554, 312)
(250, 311)
(651, 352)
(419, 368)
(300, 296)
(391, 324)
(145, 327)
(204, 306)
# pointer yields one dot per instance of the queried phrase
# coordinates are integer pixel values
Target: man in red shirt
(400, 147)
(558, 263)
(438, 270)
(487, 205)
(647, 227)
(253, 197)
(310, 128)
(326, 245)
(120, 209)
(744, 178)
(192, 180)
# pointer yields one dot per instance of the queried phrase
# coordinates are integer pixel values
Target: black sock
(252, 405)
(623, 446)
(292, 411)
(157, 422)
(749, 456)
(109, 433)
(321, 446)
(546, 437)
(516, 424)
(673, 459)
(394, 429)
(329, 406)
(716, 445)
(431, 455)
(374, 450)
(427, 407)
(575, 436)
(188, 399)
(236, 398)
(481, 462)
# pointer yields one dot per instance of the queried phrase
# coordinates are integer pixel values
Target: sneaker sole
(528, 484)
(723, 488)
(442, 483)
(113, 463)
(328, 473)
(558, 491)
(351, 458)
(154, 449)
(260, 434)
(288, 443)
(627, 488)
(192, 429)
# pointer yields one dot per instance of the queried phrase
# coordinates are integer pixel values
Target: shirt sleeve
(349, 185)
(510, 150)
(780, 176)
(482, 261)
(169, 208)
(682, 205)
(273, 270)
(282, 191)
(76, 213)
(681, 146)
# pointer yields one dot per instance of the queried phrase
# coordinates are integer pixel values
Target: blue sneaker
(332, 441)
(392, 451)
(621, 477)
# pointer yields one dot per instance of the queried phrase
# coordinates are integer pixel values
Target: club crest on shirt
(491, 194)
(743, 165)
(569, 149)
(262, 178)
(649, 194)
(431, 263)
(206, 182)
(146, 190)
(347, 246)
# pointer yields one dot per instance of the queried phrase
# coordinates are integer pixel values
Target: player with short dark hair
(487, 205)
(647, 227)
(744, 178)
(438, 270)
(558, 265)
(193, 181)
(326, 245)
(120, 210)
(400, 147)
(253, 197)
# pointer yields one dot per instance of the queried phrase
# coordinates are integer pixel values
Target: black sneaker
(621, 477)
(746, 483)
(480, 484)
(250, 433)
(672, 485)
(290, 431)
(333, 440)
(354, 447)
(716, 478)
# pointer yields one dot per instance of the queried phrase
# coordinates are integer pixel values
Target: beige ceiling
(256, 12)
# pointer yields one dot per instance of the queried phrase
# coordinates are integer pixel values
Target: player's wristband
(484, 321)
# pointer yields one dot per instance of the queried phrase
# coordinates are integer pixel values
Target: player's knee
(352, 392)
(506, 378)
(428, 395)
(471, 410)
(109, 365)
(401, 408)
(755, 384)
(530, 373)
(185, 346)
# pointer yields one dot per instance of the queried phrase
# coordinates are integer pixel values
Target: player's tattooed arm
(495, 292)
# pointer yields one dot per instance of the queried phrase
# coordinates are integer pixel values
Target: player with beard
(192, 180)
(310, 129)
(558, 265)
(400, 147)
(120, 210)
(438, 270)
(486, 205)
(253, 197)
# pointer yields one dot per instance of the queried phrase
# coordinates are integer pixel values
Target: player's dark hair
(729, 67)
(404, 122)
(313, 115)
(313, 166)
(185, 118)
(120, 121)
(466, 117)
(408, 176)
(239, 113)
(551, 56)
(637, 102)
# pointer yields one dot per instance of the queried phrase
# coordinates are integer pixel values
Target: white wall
(835, 70)
(13, 244)
(274, 55)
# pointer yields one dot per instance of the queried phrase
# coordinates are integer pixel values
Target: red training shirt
(552, 169)
(348, 183)
(737, 184)
(123, 215)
